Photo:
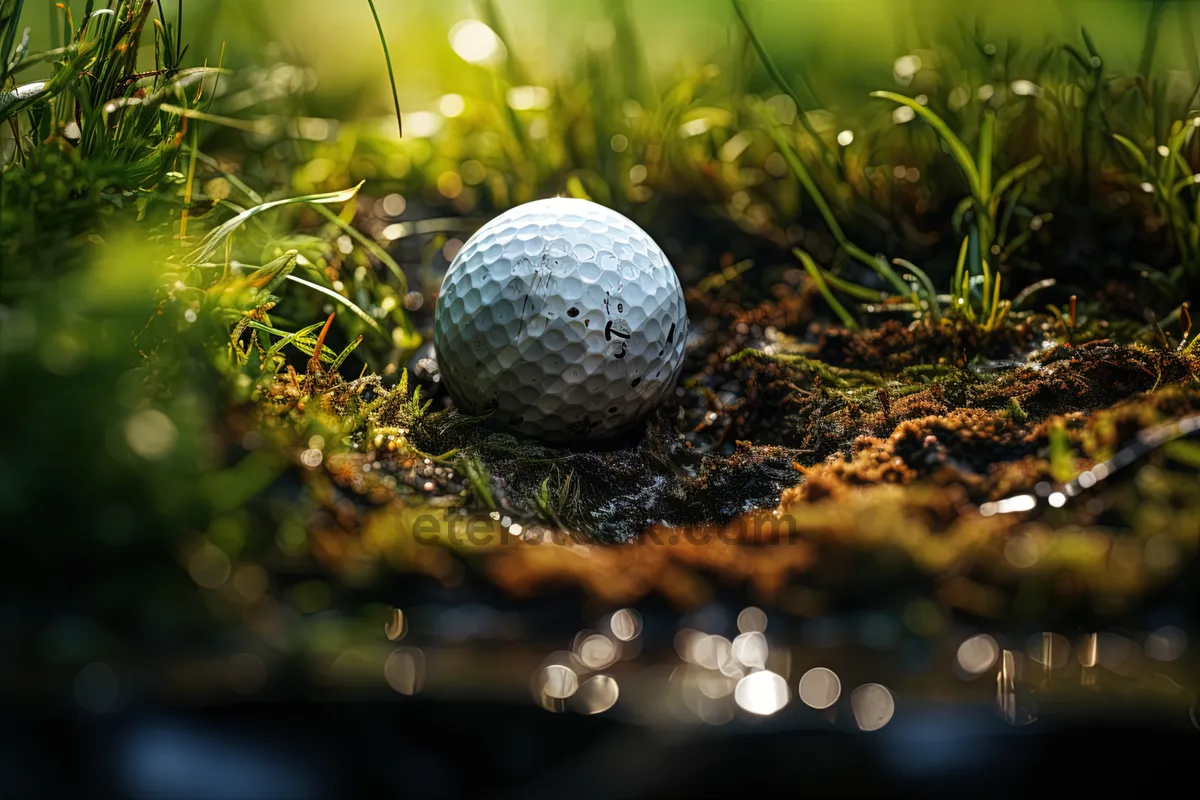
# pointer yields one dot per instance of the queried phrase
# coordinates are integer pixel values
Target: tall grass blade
(387, 57)
(342, 356)
(987, 144)
(213, 240)
(1017, 173)
(1138, 156)
(814, 273)
(364, 316)
(773, 71)
(957, 149)
(10, 21)
(853, 289)
(935, 308)
(956, 290)
(369, 244)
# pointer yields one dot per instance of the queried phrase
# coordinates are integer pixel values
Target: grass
(218, 296)
(988, 210)
(387, 56)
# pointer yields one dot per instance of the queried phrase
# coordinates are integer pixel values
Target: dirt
(783, 448)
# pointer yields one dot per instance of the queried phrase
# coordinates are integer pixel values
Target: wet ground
(868, 522)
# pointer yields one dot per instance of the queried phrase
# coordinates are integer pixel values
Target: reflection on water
(397, 626)
(702, 676)
(977, 654)
(598, 693)
(1011, 697)
(405, 670)
(820, 688)
(625, 624)
(873, 706)
(762, 693)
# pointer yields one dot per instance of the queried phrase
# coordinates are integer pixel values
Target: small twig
(1071, 320)
(885, 400)
(1166, 343)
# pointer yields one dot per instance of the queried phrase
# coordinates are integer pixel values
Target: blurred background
(209, 599)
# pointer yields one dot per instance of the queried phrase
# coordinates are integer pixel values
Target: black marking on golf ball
(620, 308)
(636, 381)
(524, 305)
(541, 274)
(671, 334)
(621, 353)
(610, 331)
(572, 312)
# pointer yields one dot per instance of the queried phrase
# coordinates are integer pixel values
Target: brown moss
(782, 456)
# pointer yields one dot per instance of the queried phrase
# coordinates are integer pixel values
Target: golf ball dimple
(562, 319)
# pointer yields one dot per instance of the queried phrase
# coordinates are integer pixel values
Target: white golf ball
(562, 319)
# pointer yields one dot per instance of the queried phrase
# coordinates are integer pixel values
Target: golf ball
(562, 319)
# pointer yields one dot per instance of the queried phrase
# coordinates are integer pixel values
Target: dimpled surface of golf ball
(563, 319)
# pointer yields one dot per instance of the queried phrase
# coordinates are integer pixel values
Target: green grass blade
(347, 302)
(1032, 289)
(987, 144)
(792, 158)
(880, 266)
(305, 344)
(1017, 173)
(853, 289)
(960, 212)
(1150, 43)
(272, 276)
(372, 246)
(214, 238)
(234, 180)
(342, 356)
(956, 290)
(935, 308)
(814, 272)
(9, 24)
(992, 319)
(289, 338)
(1179, 139)
(1084, 63)
(957, 149)
(387, 57)
(1138, 156)
(259, 126)
(1089, 44)
(1183, 184)
(777, 77)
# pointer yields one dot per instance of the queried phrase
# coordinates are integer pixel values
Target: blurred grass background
(845, 48)
(145, 465)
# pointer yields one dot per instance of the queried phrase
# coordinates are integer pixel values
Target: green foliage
(1163, 173)
(96, 97)
(1015, 411)
(479, 479)
(996, 213)
(387, 57)
(551, 503)
(1061, 455)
